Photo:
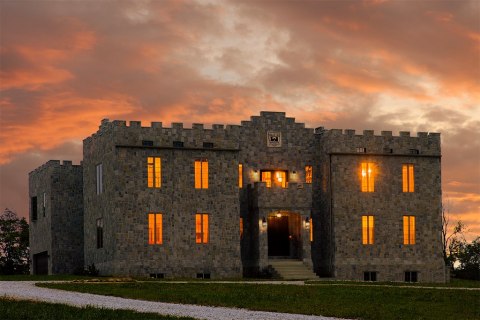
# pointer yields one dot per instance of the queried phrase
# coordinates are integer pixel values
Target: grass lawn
(24, 309)
(454, 283)
(347, 301)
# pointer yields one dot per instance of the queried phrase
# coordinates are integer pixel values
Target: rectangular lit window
(408, 229)
(241, 228)
(311, 230)
(201, 228)
(367, 229)
(155, 228)
(154, 172)
(408, 178)
(267, 178)
(368, 180)
(280, 179)
(99, 233)
(99, 176)
(201, 174)
(240, 175)
(308, 174)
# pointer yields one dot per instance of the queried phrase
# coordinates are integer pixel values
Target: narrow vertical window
(44, 207)
(408, 229)
(99, 233)
(240, 175)
(201, 228)
(99, 175)
(155, 228)
(267, 178)
(367, 230)
(308, 174)
(368, 180)
(154, 172)
(201, 174)
(408, 178)
(241, 228)
(311, 230)
(33, 205)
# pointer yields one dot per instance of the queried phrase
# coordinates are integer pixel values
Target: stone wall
(58, 228)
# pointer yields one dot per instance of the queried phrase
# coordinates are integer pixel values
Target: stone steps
(290, 269)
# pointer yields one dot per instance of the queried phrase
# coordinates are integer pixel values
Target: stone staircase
(290, 269)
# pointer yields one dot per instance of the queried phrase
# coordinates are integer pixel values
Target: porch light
(307, 222)
(279, 215)
(264, 222)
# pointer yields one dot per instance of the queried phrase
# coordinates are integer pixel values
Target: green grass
(454, 283)
(348, 301)
(23, 310)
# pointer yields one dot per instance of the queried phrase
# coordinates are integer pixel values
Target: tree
(468, 255)
(14, 250)
(451, 242)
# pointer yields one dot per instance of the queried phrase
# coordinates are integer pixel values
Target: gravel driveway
(28, 290)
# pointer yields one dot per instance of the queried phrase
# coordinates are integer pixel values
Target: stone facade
(271, 217)
(56, 233)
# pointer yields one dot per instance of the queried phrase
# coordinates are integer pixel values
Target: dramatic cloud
(383, 65)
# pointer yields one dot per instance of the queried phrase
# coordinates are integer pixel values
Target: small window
(241, 228)
(308, 174)
(367, 229)
(201, 228)
(208, 145)
(157, 275)
(99, 170)
(147, 143)
(99, 233)
(201, 174)
(311, 230)
(387, 150)
(408, 230)
(408, 178)
(267, 178)
(414, 151)
(44, 206)
(203, 275)
(277, 178)
(411, 276)
(361, 150)
(368, 177)
(370, 276)
(154, 172)
(155, 228)
(240, 175)
(33, 204)
(178, 144)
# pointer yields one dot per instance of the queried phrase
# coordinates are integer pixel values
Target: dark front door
(278, 241)
(40, 263)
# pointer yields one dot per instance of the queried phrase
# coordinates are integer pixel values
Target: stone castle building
(227, 201)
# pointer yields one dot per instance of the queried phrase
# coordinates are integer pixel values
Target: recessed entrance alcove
(284, 235)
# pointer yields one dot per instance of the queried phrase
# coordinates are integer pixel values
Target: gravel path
(28, 290)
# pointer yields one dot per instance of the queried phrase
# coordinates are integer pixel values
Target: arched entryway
(284, 235)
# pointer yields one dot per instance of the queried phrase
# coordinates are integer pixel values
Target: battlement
(55, 164)
(371, 133)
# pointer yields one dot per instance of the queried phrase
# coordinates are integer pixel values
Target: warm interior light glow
(267, 178)
(367, 229)
(408, 229)
(240, 175)
(281, 178)
(279, 215)
(154, 165)
(368, 180)
(308, 174)
(311, 230)
(408, 181)
(201, 174)
(241, 228)
(155, 228)
(201, 228)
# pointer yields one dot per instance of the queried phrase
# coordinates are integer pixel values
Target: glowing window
(267, 178)
(311, 230)
(367, 229)
(368, 180)
(308, 174)
(154, 171)
(241, 228)
(240, 175)
(201, 174)
(155, 228)
(408, 229)
(201, 228)
(408, 178)
(280, 179)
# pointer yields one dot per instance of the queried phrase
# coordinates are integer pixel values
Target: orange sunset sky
(382, 65)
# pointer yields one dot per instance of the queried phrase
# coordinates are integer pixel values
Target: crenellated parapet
(65, 164)
(347, 141)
